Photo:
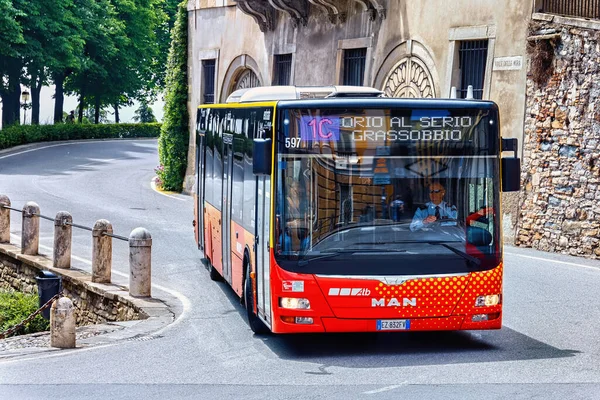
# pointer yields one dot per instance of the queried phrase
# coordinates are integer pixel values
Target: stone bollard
(140, 262)
(62, 324)
(101, 252)
(63, 233)
(30, 235)
(4, 219)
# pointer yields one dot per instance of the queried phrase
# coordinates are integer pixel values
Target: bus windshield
(387, 191)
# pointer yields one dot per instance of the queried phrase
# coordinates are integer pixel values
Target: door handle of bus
(236, 235)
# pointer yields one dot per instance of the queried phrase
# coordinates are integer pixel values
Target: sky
(47, 108)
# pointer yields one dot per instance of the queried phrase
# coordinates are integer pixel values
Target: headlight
(489, 300)
(293, 303)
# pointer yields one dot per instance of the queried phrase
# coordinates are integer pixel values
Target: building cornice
(264, 12)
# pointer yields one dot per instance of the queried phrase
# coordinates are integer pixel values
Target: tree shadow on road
(68, 157)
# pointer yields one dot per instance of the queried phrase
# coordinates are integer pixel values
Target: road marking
(554, 261)
(153, 185)
(184, 300)
(386, 389)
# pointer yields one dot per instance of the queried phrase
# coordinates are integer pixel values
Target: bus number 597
(292, 142)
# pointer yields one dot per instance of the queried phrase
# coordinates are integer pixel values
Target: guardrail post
(140, 262)
(63, 233)
(62, 324)
(30, 234)
(4, 219)
(102, 251)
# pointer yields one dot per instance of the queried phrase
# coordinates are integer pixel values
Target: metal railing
(140, 244)
(572, 8)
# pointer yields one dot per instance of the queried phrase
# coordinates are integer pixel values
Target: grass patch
(15, 307)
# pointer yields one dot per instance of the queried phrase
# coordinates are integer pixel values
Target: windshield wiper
(468, 257)
(305, 261)
(461, 253)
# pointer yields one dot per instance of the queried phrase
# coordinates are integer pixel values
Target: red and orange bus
(335, 209)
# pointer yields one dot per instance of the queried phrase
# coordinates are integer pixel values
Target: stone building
(560, 203)
(409, 49)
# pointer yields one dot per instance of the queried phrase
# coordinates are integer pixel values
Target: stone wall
(94, 303)
(560, 203)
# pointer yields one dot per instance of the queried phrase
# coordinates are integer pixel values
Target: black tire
(254, 322)
(213, 273)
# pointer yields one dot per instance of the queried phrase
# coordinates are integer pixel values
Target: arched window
(246, 79)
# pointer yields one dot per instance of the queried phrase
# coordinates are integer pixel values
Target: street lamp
(25, 99)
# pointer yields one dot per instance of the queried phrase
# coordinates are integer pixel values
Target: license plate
(393, 324)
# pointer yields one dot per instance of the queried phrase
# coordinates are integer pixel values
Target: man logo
(349, 292)
(393, 302)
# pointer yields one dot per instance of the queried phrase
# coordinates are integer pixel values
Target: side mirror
(261, 157)
(511, 174)
(511, 167)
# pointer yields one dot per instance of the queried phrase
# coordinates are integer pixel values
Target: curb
(154, 313)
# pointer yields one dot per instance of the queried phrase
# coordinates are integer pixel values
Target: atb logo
(349, 292)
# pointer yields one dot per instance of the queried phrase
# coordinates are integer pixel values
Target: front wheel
(212, 272)
(255, 323)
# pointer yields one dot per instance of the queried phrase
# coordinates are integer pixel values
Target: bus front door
(263, 270)
(200, 159)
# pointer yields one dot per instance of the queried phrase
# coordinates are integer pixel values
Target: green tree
(11, 39)
(119, 63)
(163, 37)
(135, 70)
(69, 53)
(174, 136)
(11, 32)
(144, 113)
(52, 33)
(104, 35)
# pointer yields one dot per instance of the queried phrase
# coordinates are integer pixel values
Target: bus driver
(436, 209)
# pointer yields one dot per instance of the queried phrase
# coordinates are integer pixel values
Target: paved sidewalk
(87, 336)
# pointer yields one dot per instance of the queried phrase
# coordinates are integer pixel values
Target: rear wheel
(255, 323)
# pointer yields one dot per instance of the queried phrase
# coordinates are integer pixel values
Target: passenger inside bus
(435, 210)
(396, 209)
(296, 237)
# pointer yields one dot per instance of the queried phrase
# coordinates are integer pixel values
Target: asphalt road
(549, 346)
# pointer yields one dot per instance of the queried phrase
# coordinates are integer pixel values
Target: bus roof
(275, 93)
(344, 96)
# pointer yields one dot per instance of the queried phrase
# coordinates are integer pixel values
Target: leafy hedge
(23, 134)
(174, 137)
(15, 307)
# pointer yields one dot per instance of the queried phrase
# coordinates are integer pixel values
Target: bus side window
(218, 163)
(237, 203)
(208, 162)
(249, 177)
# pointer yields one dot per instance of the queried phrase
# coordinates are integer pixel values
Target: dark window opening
(282, 70)
(472, 62)
(354, 66)
(208, 86)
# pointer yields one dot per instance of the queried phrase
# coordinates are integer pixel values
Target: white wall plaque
(508, 63)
